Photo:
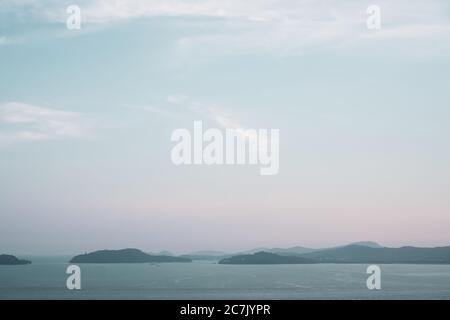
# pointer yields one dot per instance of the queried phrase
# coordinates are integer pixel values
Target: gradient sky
(86, 118)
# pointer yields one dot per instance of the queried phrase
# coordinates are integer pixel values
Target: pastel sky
(86, 117)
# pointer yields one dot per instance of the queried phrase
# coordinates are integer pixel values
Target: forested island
(10, 260)
(350, 254)
(265, 258)
(125, 256)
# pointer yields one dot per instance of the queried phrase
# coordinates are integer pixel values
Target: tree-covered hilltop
(124, 256)
(265, 258)
(350, 254)
(364, 254)
(7, 259)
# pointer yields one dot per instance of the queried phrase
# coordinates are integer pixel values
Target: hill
(10, 260)
(364, 254)
(350, 254)
(124, 256)
(265, 258)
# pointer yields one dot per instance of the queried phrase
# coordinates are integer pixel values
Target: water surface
(46, 279)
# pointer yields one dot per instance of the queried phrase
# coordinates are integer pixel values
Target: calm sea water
(46, 279)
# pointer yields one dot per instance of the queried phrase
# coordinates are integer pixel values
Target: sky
(86, 118)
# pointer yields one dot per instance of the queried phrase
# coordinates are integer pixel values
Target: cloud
(289, 27)
(281, 26)
(205, 110)
(213, 112)
(153, 109)
(106, 11)
(177, 99)
(308, 11)
(22, 122)
(179, 106)
(183, 106)
(292, 28)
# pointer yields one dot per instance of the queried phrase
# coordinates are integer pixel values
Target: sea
(46, 279)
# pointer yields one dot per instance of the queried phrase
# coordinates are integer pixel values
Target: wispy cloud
(212, 112)
(287, 25)
(295, 27)
(208, 111)
(179, 106)
(20, 122)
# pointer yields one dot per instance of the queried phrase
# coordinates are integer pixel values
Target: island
(384, 255)
(265, 258)
(350, 254)
(125, 256)
(10, 260)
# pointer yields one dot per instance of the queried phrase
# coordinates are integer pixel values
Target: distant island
(206, 255)
(292, 251)
(265, 258)
(124, 256)
(10, 260)
(350, 254)
(363, 254)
